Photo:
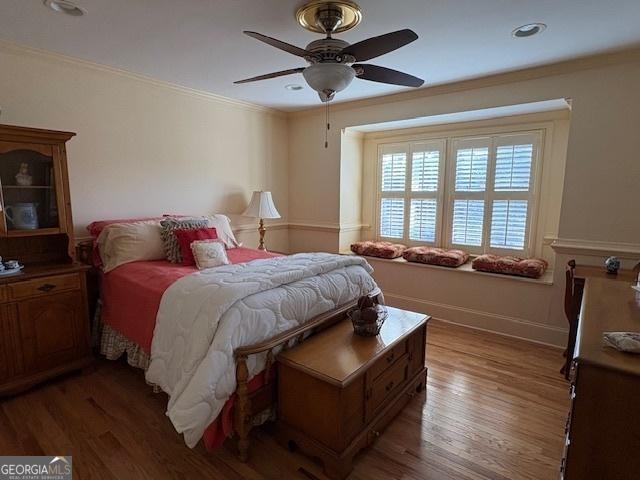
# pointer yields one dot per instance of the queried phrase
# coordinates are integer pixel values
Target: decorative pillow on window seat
(186, 237)
(378, 249)
(509, 265)
(436, 256)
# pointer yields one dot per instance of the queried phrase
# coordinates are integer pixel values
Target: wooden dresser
(44, 321)
(337, 391)
(603, 428)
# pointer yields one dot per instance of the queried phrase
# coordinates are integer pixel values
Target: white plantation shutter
(470, 172)
(468, 220)
(509, 224)
(410, 191)
(512, 192)
(394, 171)
(422, 225)
(485, 192)
(492, 192)
(392, 218)
(471, 169)
(513, 167)
(425, 171)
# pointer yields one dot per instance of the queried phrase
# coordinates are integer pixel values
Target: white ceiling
(199, 43)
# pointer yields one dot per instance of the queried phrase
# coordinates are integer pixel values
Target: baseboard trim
(485, 321)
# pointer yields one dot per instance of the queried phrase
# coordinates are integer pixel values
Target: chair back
(570, 303)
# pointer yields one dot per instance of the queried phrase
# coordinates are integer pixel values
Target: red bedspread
(131, 297)
(131, 293)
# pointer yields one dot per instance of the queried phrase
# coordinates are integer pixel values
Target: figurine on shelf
(22, 177)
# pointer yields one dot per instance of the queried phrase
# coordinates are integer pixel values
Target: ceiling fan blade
(272, 75)
(375, 73)
(287, 47)
(375, 46)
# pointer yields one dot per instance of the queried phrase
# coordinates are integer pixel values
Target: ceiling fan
(334, 63)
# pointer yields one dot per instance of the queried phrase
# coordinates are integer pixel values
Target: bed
(148, 311)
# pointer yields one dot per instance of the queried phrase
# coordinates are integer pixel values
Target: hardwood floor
(495, 409)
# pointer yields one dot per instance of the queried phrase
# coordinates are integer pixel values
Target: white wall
(144, 147)
(351, 178)
(599, 203)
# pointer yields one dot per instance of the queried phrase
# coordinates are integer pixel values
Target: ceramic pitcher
(22, 216)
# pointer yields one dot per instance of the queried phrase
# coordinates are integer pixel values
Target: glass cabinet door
(28, 188)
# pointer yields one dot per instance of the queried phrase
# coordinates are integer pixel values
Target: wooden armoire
(44, 319)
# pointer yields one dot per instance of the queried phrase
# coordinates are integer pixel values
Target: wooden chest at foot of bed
(44, 325)
(337, 391)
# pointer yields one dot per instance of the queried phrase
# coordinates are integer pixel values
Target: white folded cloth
(623, 341)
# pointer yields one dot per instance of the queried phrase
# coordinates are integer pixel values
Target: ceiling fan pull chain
(326, 132)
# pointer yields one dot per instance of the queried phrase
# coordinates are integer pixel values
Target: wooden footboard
(249, 405)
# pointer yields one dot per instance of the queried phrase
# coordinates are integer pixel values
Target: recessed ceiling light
(293, 87)
(528, 30)
(65, 6)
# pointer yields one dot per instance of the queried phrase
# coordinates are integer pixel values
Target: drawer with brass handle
(386, 384)
(43, 286)
(384, 363)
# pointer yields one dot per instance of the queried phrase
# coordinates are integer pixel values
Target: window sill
(545, 279)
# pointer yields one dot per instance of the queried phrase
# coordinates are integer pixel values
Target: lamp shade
(261, 206)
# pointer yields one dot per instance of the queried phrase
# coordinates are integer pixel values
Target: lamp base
(262, 230)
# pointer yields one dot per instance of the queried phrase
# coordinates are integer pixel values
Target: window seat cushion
(378, 249)
(509, 265)
(436, 256)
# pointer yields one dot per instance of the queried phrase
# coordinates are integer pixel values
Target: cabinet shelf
(27, 187)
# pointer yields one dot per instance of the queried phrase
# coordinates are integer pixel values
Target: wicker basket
(368, 329)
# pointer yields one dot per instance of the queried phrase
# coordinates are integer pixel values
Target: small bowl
(368, 329)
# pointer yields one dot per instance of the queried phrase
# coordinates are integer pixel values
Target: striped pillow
(171, 245)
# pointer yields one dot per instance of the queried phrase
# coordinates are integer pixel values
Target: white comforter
(203, 317)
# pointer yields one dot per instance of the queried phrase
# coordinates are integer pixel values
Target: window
(483, 191)
(410, 191)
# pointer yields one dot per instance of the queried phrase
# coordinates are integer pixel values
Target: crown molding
(573, 246)
(18, 49)
(629, 55)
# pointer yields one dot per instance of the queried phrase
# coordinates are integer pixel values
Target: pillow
(121, 243)
(168, 225)
(378, 249)
(95, 228)
(185, 237)
(509, 265)
(222, 224)
(209, 253)
(436, 256)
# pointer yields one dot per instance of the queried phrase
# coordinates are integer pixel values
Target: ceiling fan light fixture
(329, 77)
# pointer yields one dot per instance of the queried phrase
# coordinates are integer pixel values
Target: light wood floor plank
(495, 410)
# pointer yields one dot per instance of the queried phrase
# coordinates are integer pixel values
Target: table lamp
(261, 206)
